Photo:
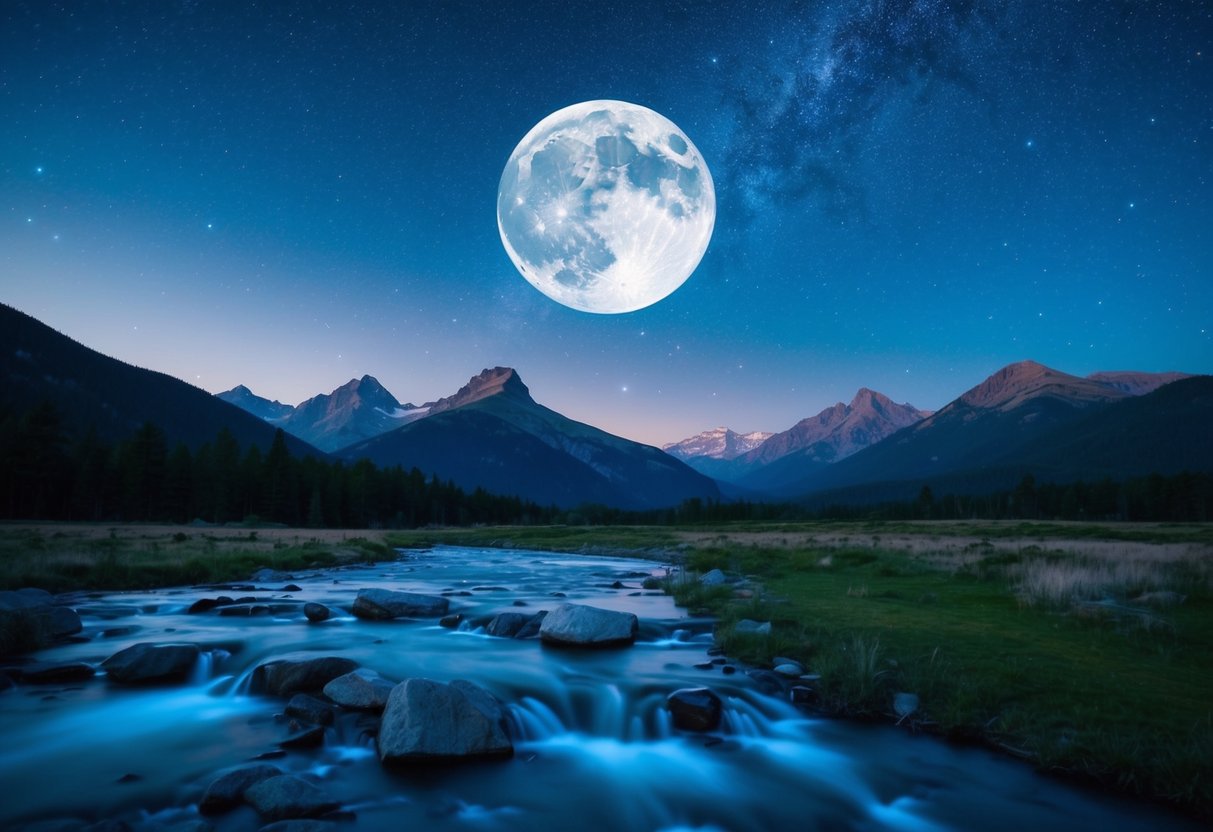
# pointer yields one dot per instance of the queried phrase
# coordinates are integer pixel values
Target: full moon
(606, 206)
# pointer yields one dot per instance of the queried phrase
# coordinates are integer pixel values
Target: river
(594, 748)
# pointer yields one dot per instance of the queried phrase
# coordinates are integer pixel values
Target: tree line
(45, 475)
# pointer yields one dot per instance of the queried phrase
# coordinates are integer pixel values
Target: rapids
(594, 745)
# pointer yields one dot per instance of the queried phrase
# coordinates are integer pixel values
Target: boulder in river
(286, 797)
(227, 792)
(531, 628)
(507, 624)
(384, 604)
(284, 677)
(29, 620)
(316, 612)
(146, 663)
(428, 721)
(208, 604)
(577, 625)
(363, 689)
(310, 709)
(694, 709)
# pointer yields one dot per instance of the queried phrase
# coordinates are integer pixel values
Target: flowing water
(594, 745)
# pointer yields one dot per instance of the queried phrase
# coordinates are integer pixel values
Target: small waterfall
(607, 712)
(203, 668)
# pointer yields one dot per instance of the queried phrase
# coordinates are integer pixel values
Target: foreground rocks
(30, 620)
(285, 677)
(428, 721)
(694, 709)
(286, 797)
(316, 612)
(384, 605)
(227, 792)
(576, 625)
(362, 689)
(148, 664)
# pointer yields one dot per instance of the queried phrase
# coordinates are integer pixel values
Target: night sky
(910, 195)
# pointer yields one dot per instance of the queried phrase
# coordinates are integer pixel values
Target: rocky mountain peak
(1016, 383)
(498, 381)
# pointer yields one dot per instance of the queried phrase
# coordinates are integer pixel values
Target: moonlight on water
(606, 206)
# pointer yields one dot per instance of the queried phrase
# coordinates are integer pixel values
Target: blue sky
(910, 195)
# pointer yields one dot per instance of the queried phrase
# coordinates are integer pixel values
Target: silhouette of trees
(44, 475)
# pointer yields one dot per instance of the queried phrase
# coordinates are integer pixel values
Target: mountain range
(91, 391)
(1024, 419)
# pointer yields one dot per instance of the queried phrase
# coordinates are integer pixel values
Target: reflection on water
(594, 745)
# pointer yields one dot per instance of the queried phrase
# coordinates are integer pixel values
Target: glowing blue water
(594, 745)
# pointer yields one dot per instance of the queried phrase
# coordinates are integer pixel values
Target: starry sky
(911, 194)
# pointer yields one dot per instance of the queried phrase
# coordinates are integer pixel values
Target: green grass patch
(1092, 680)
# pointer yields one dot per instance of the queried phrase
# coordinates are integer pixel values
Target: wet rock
(30, 621)
(451, 621)
(286, 797)
(307, 738)
(208, 604)
(427, 721)
(363, 689)
(768, 682)
(519, 603)
(490, 589)
(790, 670)
(713, 578)
(728, 670)
(51, 673)
(757, 628)
(652, 583)
(577, 625)
(146, 663)
(384, 604)
(694, 709)
(703, 666)
(284, 677)
(227, 792)
(905, 704)
(310, 709)
(531, 628)
(507, 624)
(129, 778)
(317, 612)
(292, 588)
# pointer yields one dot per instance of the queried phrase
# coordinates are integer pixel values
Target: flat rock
(577, 625)
(317, 612)
(428, 721)
(146, 663)
(451, 621)
(284, 677)
(208, 604)
(713, 578)
(384, 605)
(790, 670)
(310, 709)
(363, 689)
(227, 791)
(50, 673)
(694, 709)
(287, 797)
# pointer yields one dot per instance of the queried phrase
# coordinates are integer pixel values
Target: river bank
(1085, 652)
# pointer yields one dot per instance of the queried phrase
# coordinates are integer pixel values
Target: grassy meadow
(1085, 649)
